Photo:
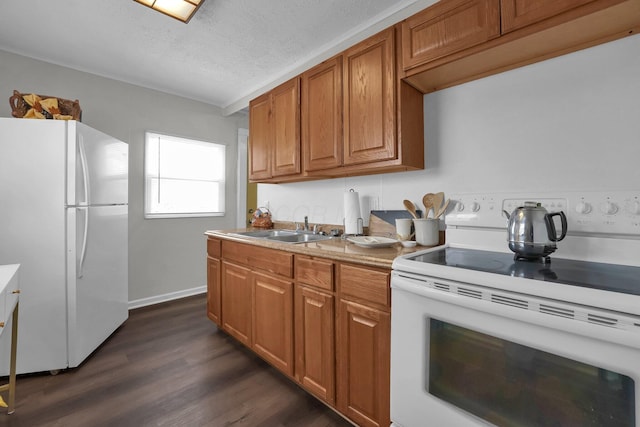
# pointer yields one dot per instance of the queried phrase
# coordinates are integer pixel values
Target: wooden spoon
(427, 201)
(438, 198)
(411, 207)
(443, 209)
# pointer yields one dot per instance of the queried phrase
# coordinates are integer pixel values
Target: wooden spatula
(443, 209)
(411, 207)
(438, 199)
(427, 201)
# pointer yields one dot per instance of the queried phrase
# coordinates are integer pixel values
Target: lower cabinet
(272, 321)
(327, 326)
(315, 349)
(363, 344)
(214, 310)
(363, 363)
(213, 290)
(236, 301)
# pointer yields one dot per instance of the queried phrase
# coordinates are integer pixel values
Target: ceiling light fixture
(182, 10)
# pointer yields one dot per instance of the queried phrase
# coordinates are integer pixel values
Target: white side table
(9, 296)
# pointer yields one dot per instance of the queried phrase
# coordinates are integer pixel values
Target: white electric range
(479, 338)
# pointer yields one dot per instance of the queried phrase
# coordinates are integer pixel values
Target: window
(183, 177)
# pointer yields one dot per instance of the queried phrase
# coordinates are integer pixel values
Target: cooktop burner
(608, 277)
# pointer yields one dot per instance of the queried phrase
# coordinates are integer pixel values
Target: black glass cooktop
(609, 277)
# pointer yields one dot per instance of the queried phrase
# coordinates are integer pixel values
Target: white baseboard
(143, 302)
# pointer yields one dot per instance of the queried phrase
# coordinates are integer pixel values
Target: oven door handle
(523, 308)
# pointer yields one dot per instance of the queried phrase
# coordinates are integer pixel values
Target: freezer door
(97, 286)
(32, 234)
(97, 167)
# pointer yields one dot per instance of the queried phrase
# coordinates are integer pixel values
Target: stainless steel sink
(265, 234)
(299, 238)
(284, 236)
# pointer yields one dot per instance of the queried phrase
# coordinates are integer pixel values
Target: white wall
(569, 123)
(166, 256)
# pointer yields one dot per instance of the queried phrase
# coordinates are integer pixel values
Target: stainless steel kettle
(531, 231)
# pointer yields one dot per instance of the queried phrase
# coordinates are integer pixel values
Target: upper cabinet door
(260, 138)
(369, 100)
(322, 115)
(520, 13)
(447, 27)
(286, 128)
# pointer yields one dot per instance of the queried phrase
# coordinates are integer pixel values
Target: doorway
(247, 192)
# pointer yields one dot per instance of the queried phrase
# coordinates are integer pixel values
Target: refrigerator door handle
(85, 171)
(85, 233)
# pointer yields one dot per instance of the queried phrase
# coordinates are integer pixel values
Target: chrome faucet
(306, 223)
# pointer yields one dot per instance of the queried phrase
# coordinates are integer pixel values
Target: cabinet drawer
(213, 247)
(314, 272)
(365, 283)
(448, 27)
(270, 260)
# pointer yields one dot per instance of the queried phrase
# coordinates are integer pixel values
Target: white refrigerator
(63, 218)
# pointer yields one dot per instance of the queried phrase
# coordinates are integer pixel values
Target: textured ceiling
(230, 51)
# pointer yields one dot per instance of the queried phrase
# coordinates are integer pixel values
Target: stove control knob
(475, 207)
(459, 206)
(583, 208)
(634, 208)
(609, 208)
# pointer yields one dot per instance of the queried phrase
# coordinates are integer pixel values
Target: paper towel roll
(352, 217)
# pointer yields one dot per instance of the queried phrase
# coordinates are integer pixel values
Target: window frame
(146, 179)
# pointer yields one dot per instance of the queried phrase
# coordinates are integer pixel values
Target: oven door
(462, 360)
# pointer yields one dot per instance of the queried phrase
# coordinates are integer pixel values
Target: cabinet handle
(17, 291)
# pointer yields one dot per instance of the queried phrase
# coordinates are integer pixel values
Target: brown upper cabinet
(448, 27)
(361, 112)
(520, 13)
(456, 41)
(274, 139)
(356, 116)
(322, 116)
(369, 102)
(260, 138)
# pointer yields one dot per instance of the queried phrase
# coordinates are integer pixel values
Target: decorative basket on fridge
(32, 106)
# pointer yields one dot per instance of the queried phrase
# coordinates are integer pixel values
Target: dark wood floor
(168, 365)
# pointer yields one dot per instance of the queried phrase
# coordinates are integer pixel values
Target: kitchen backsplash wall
(569, 123)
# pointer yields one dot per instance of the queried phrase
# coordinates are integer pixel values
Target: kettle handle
(551, 228)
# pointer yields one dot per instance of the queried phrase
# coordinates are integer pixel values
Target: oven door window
(509, 384)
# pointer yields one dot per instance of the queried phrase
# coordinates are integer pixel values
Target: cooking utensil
(411, 207)
(532, 232)
(438, 198)
(427, 201)
(443, 209)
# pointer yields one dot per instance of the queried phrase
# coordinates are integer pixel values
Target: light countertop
(335, 248)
